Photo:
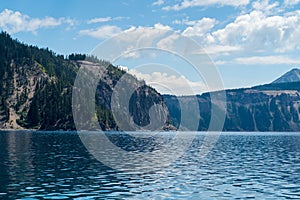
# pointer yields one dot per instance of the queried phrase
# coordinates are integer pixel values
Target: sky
(250, 42)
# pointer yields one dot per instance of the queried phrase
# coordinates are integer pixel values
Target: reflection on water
(45, 165)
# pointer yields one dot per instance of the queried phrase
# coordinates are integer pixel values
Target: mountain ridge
(290, 76)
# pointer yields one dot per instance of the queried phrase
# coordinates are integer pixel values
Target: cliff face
(272, 107)
(19, 87)
(253, 110)
(122, 101)
(36, 89)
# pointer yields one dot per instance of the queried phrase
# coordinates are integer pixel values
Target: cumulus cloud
(128, 43)
(158, 3)
(139, 37)
(145, 36)
(137, 33)
(168, 42)
(291, 2)
(255, 32)
(265, 28)
(199, 28)
(102, 32)
(14, 22)
(266, 6)
(192, 3)
(258, 32)
(171, 84)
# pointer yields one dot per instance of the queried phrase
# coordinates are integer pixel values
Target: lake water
(56, 165)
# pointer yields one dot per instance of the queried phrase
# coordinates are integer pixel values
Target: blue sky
(250, 41)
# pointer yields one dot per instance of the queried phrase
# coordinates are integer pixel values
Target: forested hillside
(36, 89)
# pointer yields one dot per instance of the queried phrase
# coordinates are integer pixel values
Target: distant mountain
(291, 76)
(36, 89)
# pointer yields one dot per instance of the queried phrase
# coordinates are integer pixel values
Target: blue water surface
(56, 165)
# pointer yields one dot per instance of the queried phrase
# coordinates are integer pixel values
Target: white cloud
(168, 42)
(105, 19)
(221, 49)
(220, 62)
(258, 32)
(266, 28)
(192, 3)
(267, 60)
(128, 41)
(99, 20)
(266, 6)
(162, 27)
(171, 84)
(158, 3)
(291, 2)
(14, 22)
(139, 37)
(199, 28)
(145, 36)
(102, 32)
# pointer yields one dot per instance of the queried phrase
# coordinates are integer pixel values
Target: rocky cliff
(271, 107)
